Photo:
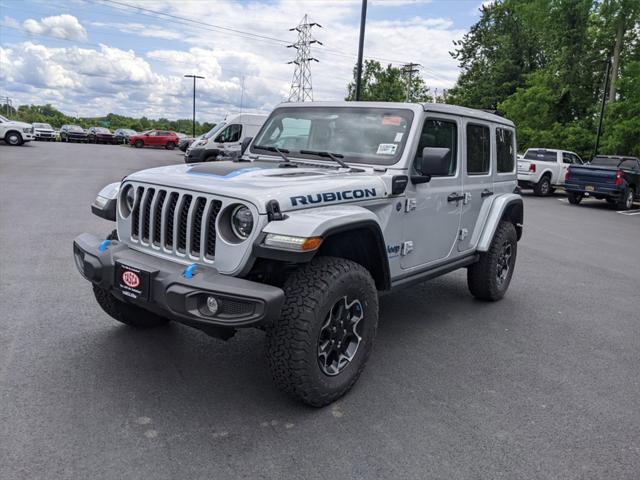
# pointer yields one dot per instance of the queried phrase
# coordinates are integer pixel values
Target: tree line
(543, 64)
(54, 117)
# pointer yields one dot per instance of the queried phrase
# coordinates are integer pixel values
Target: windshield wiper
(336, 157)
(279, 151)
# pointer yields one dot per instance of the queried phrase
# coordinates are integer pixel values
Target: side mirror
(245, 144)
(434, 162)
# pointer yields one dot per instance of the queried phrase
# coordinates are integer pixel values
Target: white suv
(15, 133)
(544, 168)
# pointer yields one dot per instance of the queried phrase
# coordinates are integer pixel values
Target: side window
(505, 150)
(567, 157)
(230, 134)
(440, 134)
(478, 149)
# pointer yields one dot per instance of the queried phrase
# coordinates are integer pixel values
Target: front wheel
(319, 346)
(626, 199)
(574, 198)
(489, 278)
(14, 139)
(139, 144)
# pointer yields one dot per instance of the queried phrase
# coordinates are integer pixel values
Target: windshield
(605, 161)
(75, 128)
(361, 135)
(42, 125)
(214, 130)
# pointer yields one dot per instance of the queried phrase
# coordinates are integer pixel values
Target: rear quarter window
(505, 150)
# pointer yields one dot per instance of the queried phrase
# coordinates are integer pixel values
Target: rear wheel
(543, 187)
(626, 199)
(489, 279)
(319, 346)
(170, 146)
(574, 198)
(14, 139)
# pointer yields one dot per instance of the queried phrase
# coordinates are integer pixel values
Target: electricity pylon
(301, 87)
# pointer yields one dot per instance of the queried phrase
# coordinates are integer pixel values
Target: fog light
(212, 305)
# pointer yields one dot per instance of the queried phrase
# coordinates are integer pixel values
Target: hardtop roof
(426, 107)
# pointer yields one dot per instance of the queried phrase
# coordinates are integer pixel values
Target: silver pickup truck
(328, 206)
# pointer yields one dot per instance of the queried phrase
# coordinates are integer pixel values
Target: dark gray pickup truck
(613, 178)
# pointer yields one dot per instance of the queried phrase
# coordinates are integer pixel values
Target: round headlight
(241, 221)
(127, 199)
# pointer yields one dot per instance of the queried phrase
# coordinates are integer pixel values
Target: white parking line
(629, 212)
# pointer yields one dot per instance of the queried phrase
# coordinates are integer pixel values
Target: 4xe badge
(393, 251)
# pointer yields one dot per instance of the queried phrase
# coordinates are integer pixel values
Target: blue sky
(128, 56)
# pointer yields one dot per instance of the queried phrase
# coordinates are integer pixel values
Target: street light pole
(194, 102)
(363, 19)
(604, 100)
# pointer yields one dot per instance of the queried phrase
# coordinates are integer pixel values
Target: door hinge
(407, 248)
(410, 205)
(463, 234)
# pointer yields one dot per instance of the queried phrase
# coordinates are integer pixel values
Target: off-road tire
(139, 144)
(292, 341)
(482, 277)
(543, 187)
(626, 199)
(14, 139)
(574, 198)
(170, 146)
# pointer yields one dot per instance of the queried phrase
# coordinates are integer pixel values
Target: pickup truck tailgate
(593, 175)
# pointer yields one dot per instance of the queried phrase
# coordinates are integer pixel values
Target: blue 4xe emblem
(393, 250)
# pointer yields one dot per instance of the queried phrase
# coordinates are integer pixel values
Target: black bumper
(597, 191)
(242, 303)
(197, 155)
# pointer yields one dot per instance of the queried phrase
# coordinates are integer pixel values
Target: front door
(477, 180)
(432, 219)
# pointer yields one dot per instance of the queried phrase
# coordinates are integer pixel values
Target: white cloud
(135, 82)
(59, 26)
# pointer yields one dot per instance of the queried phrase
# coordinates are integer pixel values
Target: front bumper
(171, 294)
(44, 135)
(196, 155)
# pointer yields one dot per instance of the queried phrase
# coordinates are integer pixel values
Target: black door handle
(455, 197)
(486, 193)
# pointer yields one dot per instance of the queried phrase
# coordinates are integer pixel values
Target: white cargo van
(225, 138)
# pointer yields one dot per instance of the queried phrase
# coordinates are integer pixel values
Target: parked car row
(615, 179)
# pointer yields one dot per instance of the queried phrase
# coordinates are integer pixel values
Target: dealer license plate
(132, 282)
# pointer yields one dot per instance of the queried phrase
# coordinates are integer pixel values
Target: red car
(155, 138)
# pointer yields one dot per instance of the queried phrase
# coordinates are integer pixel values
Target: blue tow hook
(190, 271)
(103, 246)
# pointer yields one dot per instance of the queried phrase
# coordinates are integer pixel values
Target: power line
(301, 86)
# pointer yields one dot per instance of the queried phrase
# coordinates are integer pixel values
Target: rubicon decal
(130, 279)
(332, 196)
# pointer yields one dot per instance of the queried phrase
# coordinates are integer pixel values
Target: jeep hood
(259, 182)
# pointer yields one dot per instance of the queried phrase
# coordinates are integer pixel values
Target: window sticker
(387, 149)
(392, 120)
(398, 138)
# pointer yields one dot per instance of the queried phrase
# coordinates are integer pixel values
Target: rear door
(477, 178)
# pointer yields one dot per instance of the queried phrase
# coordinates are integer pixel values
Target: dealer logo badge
(130, 279)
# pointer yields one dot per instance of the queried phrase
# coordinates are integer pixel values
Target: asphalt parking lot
(544, 384)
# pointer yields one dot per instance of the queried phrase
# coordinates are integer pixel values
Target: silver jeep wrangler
(328, 206)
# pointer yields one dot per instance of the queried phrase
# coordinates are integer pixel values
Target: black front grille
(211, 228)
(171, 219)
